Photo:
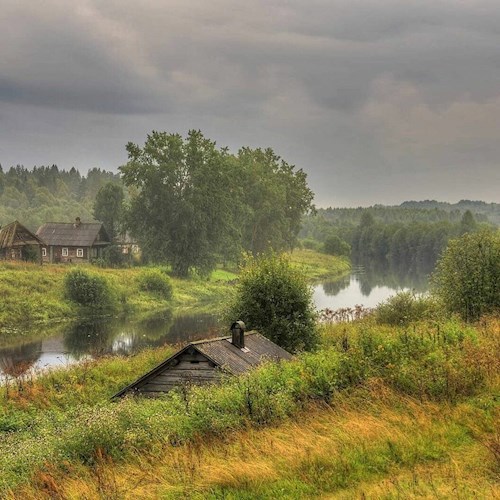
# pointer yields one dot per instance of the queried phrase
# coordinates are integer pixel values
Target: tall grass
(445, 363)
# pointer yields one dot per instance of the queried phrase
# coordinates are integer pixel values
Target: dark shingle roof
(16, 235)
(225, 355)
(85, 234)
(235, 360)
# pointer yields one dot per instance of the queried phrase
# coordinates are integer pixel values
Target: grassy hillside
(32, 293)
(376, 411)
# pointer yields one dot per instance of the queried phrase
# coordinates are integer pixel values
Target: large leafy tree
(182, 212)
(108, 207)
(274, 197)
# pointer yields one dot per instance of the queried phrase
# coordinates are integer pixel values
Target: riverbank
(33, 294)
(344, 423)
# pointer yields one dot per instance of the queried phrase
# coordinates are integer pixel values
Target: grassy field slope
(378, 411)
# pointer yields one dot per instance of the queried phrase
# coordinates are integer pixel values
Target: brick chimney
(238, 334)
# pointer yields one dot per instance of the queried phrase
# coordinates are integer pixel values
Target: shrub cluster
(276, 299)
(157, 282)
(405, 308)
(467, 277)
(87, 289)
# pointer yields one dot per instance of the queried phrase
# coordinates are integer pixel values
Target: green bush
(114, 257)
(334, 245)
(275, 299)
(310, 244)
(467, 277)
(156, 282)
(87, 289)
(404, 308)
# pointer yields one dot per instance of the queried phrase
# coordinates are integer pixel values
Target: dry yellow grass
(299, 459)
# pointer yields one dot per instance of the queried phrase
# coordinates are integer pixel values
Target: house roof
(16, 235)
(236, 360)
(84, 234)
(225, 355)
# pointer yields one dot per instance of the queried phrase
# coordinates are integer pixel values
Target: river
(65, 344)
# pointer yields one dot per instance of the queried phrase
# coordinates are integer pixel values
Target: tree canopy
(195, 204)
(108, 207)
(275, 298)
(467, 277)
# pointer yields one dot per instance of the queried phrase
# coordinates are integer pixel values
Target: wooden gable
(189, 366)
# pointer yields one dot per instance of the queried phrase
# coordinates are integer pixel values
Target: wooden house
(19, 243)
(207, 361)
(72, 242)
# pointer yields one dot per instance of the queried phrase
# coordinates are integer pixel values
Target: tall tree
(108, 207)
(182, 211)
(276, 196)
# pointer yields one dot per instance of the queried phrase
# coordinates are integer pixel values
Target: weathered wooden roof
(236, 360)
(16, 235)
(225, 355)
(84, 234)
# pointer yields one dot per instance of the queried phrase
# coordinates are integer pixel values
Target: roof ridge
(216, 339)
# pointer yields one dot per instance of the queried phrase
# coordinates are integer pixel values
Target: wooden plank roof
(84, 234)
(225, 355)
(16, 235)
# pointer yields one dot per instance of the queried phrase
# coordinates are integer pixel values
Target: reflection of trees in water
(90, 336)
(16, 361)
(155, 325)
(192, 327)
(127, 335)
(332, 288)
(374, 274)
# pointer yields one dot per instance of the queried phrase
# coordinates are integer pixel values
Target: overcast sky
(379, 101)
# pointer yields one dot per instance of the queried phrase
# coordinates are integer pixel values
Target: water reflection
(16, 361)
(68, 343)
(366, 286)
(373, 274)
(95, 338)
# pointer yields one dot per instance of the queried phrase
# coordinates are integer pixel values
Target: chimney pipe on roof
(77, 222)
(238, 334)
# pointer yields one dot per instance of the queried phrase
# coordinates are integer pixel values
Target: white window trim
(64, 252)
(44, 252)
(79, 252)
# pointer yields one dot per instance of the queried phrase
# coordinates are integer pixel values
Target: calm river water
(68, 343)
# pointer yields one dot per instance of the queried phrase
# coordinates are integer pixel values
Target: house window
(44, 252)
(79, 252)
(64, 252)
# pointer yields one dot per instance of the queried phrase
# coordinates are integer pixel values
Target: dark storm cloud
(378, 100)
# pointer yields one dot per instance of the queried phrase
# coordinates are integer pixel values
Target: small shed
(207, 361)
(16, 242)
(73, 241)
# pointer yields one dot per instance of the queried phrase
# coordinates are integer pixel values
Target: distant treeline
(407, 239)
(49, 194)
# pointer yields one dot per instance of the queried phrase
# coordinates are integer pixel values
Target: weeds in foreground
(374, 442)
(76, 425)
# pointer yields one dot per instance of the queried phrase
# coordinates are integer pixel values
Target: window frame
(79, 252)
(65, 252)
(44, 252)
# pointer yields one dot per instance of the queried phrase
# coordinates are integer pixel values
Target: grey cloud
(351, 90)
